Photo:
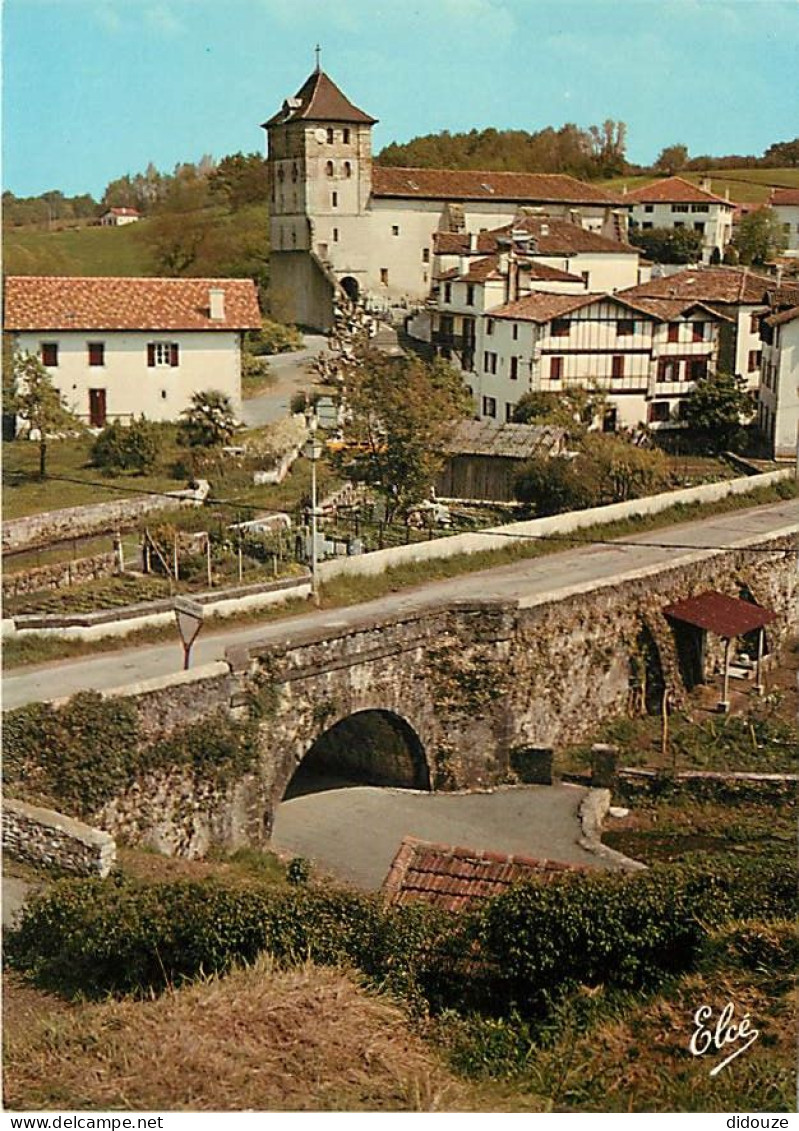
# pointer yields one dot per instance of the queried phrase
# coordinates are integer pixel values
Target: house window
(698, 369)
(678, 224)
(514, 369)
(489, 406)
(489, 362)
(448, 292)
(509, 413)
(469, 294)
(489, 326)
(347, 169)
(425, 255)
(560, 328)
(346, 136)
(555, 368)
(162, 354)
(754, 360)
(515, 332)
(329, 168)
(698, 331)
(331, 136)
(674, 331)
(617, 370)
(384, 276)
(647, 225)
(49, 354)
(679, 207)
(699, 226)
(334, 200)
(754, 323)
(586, 276)
(668, 370)
(649, 208)
(625, 327)
(659, 412)
(700, 207)
(335, 235)
(96, 353)
(395, 229)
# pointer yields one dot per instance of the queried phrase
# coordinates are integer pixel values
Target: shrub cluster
(520, 952)
(82, 754)
(133, 448)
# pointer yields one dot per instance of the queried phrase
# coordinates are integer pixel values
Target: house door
(96, 408)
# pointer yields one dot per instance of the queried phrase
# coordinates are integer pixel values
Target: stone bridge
(466, 689)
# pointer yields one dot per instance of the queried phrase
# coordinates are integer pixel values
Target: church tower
(319, 154)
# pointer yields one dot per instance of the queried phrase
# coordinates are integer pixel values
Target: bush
(132, 448)
(273, 337)
(208, 422)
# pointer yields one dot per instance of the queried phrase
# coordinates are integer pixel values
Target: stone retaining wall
(60, 575)
(44, 837)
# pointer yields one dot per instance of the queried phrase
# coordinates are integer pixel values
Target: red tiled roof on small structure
(784, 196)
(122, 212)
(480, 270)
(706, 284)
(673, 190)
(725, 616)
(473, 184)
(318, 100)
(785, 316)
(55, 302)
(455, 878)
(548, 236)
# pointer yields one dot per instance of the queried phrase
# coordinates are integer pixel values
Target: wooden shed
(483, 458)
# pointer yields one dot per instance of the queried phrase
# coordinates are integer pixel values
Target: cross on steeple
(317, 51)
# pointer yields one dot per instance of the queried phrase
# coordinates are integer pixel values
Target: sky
(94, 89)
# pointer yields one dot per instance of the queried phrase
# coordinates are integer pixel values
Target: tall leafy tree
(668, 245)
(401, 412)
(759, 236)
(35, 398)
(672, 159)
(208, 421)
(717, 407)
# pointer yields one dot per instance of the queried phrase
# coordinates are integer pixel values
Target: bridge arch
(372, 746)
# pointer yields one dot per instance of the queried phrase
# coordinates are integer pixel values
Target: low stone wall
(60, 575)
(77, 522)
(44, 837)
(498, 537)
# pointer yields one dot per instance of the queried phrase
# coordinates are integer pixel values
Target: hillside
(78, 251)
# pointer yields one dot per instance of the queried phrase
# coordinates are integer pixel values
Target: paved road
(527, 582)
(355, 832)
(291, 376)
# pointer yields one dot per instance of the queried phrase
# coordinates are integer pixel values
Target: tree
(401, 413)
(241, 180)
(782, 153)
(672, 159)
(552, 486)
(209, 421)
(717, 407)
(575, 408)
(759, 236)
(668, 245)
(134, 448)
(35, 398)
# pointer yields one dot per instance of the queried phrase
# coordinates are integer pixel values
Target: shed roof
(455, 878)
(722, 615)
(511, 441)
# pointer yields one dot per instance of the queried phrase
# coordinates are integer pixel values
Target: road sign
(189, 615)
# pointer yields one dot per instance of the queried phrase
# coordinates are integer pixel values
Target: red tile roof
(472, 184)
(550, 236)
(722, 615)
(318, 100)
(785, 316)
(480, 270)
(784, 196)
(455, 878)
(122, 212)
(673, 190)
(707, 284)
(57, 302)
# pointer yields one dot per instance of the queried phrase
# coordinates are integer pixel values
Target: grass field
(83, 251)
(746, 186)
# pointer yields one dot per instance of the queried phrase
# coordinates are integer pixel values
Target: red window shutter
(173, 353)
(151, 354)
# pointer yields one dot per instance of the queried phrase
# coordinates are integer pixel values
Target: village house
(778, 405)
(785, 202)
(338, 220)
(117, 348)
(677, 203)
(118, 217)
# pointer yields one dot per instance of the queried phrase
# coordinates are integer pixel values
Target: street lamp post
(312, 451)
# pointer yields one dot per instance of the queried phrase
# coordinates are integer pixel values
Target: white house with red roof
(117, 348)
(785, 202)
(778, 407)
(337, 220)
(677, 203)
(118, 217)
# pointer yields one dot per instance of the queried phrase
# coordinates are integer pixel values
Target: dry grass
(304, 1040)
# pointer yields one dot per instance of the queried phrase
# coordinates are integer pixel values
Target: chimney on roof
(544, 229)
(705, 184)
(216, 303)
(472, 241)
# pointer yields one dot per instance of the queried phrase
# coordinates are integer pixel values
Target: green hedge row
(519, 951)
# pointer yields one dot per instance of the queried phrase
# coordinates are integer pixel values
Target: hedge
(519, 951)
